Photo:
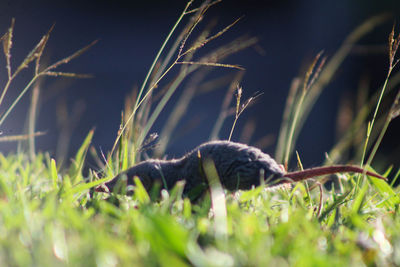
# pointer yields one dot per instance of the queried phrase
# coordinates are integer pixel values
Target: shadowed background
(291, 33)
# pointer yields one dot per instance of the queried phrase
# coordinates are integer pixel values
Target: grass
(48, 217)
(46, 222)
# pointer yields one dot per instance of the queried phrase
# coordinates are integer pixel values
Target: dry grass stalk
(241, 107)
(310, 77)
(20, 137)
(34, 55)
(393, 47)
(226, 111)
(180, 59)
(324, 78)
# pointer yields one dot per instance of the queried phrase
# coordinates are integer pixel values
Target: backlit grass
(50, 216)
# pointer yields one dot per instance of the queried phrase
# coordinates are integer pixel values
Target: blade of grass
(284, 129)
(217, 200)
(32, 120)
(178, 111)
(356, 126)
(224, 50)
(53, 172)
(393, 46)
(76, 168)
(139, 98)
(328, 72)
(140, 192)
(310, 77)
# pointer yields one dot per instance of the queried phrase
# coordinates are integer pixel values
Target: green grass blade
(77, 164)
(140, 192)
(54, 175)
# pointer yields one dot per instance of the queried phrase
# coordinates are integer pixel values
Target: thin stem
(294, 123)
(283, 132)
(378, 142)
(233, 127)
(159, 54)
(333, 65)
(5, 90)
(32, 120)
(370, 126)
(139, 101)
(356, 125)
(137, 107)
(224, 113)
(376, 110)
(163, 102)
(18, 98)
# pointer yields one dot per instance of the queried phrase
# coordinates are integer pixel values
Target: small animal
(239, 166)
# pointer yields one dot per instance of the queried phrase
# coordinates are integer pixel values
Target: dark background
(131, 32)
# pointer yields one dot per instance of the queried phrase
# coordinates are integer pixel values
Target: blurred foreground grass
(45, 222)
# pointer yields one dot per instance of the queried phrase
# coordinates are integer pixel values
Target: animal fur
(239, 166)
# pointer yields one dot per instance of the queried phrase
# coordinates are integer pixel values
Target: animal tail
(319, 171)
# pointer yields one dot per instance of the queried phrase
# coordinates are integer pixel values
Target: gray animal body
(239, 166)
